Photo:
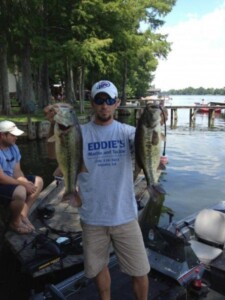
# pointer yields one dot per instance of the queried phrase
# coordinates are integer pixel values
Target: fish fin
(159, 189)
(72, 199)
(155, 190)
(58, 172)
(155, 137)
(161, 166)
(51, 139)
(83, 168)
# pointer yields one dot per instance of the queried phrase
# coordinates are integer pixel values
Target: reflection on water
(194, 177)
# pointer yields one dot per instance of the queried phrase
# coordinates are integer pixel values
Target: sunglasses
(108, 101)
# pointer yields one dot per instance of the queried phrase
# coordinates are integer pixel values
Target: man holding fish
(105, 184)
(109, 209)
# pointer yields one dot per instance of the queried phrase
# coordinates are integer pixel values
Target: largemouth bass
(148, 147)
(68, 147)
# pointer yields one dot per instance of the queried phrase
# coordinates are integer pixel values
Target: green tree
(5, 18)
(79, 42)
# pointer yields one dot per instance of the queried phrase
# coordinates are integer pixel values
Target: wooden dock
(193, 110)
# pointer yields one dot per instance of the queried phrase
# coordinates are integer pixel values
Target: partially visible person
(109, 208)
(17, 191)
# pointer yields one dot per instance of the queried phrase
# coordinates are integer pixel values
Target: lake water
(35, 160)
(195, 175)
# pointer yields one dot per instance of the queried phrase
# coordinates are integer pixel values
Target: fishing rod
(165, 130)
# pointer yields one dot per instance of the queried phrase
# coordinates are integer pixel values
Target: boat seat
(209, 229)
(204, 252)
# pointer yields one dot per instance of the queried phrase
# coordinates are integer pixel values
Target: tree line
(77, 42)
(197, 91)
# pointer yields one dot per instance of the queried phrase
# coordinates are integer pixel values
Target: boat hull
(206, 110)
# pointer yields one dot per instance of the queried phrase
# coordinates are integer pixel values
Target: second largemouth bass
(148, 147)
(69, 147)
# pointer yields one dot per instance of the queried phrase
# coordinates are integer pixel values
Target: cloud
(197, 57)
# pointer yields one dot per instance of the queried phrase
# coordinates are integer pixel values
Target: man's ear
(118, 102)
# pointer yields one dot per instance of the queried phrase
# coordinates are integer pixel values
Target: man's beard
(102, 119)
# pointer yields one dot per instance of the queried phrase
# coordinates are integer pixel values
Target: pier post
(192, 117)
(211, 117)
(173, 118)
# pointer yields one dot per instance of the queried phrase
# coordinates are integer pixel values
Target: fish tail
(72, 199)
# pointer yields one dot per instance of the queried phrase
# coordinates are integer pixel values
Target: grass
(37, 116)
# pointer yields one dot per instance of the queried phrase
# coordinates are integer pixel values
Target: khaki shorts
(127, 242)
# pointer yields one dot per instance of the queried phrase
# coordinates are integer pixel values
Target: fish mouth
(153, 106)
(63, 127)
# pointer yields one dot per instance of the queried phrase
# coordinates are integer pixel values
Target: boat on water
(204, 108)
(56, 248)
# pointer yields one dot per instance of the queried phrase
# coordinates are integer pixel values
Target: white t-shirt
(106, 190)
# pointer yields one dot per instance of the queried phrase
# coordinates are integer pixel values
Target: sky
(196, 31)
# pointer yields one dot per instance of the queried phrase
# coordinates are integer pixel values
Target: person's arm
(18, 175)
(5, 179)
(17, 172)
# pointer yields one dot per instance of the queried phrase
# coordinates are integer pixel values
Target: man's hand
(29, 185)
(51, 110)
(164, 160)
